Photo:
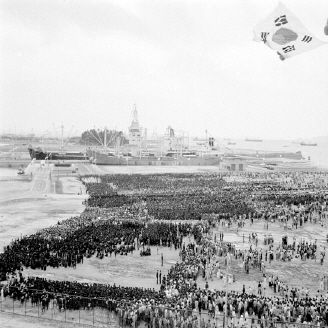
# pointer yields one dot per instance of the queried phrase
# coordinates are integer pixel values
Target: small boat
(255, 140)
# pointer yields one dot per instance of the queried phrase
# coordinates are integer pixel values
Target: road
(41, 178)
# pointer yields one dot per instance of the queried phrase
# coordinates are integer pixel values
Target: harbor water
(318, 154)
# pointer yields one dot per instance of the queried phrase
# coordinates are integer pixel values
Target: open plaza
(163, 246)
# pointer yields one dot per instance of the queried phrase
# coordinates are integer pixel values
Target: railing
(86, 312)
(99, 312)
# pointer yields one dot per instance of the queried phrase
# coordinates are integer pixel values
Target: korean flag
(283, 32)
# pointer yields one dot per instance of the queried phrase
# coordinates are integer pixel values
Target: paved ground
(27, 206)
(87, 168)
(131, 270)
(35, 182)
(9, 320)
(296, 273)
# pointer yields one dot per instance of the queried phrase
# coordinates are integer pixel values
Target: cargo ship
(59, 155)
(171, 149)
(308, 144)
(99, 157)
(39, 154)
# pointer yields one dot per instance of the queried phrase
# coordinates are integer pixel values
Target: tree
(96, 137)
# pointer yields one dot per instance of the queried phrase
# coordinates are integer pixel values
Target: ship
(254, 140)
(40, 154)
(170, 150)
(231, 143)
(102, 158)
(308, 144)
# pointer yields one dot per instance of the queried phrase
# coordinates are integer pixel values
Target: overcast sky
(188, 64)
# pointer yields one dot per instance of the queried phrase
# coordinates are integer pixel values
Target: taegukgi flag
(283, 32)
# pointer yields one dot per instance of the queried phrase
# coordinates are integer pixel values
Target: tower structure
(135, 130)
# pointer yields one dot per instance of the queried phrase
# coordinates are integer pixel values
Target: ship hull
(38, 154)
(103, 159)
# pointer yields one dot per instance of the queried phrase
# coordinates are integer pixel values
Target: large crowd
(127, 212)
(100, 238)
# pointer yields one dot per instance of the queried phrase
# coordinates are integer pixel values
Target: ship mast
(135, 114)
(62, 137)
(105, 137)
(62, 143)
(145, 138)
